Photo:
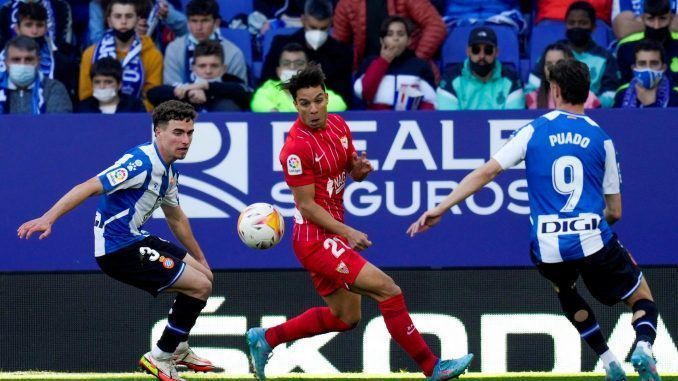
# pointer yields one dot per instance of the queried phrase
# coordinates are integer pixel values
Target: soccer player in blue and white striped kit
(573, 186)
(141, 181)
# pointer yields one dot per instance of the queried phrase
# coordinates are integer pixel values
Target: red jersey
(321, 157)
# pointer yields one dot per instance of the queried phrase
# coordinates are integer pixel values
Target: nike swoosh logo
(317, 158)
(410, 331)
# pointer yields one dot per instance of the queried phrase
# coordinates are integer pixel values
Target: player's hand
(361, 166)
(358, 240)
(41, 224)
(197, 96)
(429, 219)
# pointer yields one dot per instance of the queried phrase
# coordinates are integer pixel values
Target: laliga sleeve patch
(117, 176)
(294, 165)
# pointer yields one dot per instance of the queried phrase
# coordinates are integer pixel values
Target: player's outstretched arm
(360, 167)
(68, 202)
(304, 197)
(468, 186)
(181, 228)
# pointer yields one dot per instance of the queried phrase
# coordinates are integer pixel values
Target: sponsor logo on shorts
(342, 268)
(294, 165)
(117, 176)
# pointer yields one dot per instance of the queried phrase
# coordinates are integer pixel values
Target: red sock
(405, 333)
(313, 322)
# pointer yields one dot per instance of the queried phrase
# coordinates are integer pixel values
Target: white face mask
(287, 74)
(105, 95)
(22, 75)
(316, 38)
(204, 80)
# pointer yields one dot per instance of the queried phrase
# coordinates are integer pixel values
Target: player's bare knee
(203, 288)
(581, 315)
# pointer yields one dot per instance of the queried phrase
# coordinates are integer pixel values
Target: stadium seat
(454, 48)
(550, 31)
(268, 38)
(242, 39)
(232, 8)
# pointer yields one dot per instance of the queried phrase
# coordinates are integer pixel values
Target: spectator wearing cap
(481, 82)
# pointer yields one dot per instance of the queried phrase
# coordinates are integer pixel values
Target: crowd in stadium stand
(117, 56)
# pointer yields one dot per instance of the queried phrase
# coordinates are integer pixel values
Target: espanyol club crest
(344, 142)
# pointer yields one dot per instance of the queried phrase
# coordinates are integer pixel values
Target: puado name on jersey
(569, 138)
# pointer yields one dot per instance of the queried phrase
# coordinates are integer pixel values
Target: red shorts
(332, 263)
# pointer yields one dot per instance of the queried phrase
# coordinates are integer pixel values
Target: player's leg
(189, 260)
(563, 277)
(373, 282)
(184, 355)
(644, 322)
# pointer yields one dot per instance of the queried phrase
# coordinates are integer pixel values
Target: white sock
(645, 346)
(182, 347)
(159, 353)
(608, 357)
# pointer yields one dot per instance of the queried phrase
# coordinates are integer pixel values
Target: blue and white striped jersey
(571, 164)
(136, 185)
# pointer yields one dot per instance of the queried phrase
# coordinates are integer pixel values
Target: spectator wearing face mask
(481, 82)
(141, 61)
(213, 89)
(580, 22)
(657, 18)
(271, 97)
(335, 57)
(32, 20)
(650, 87)
(23, 88)
(106, 96)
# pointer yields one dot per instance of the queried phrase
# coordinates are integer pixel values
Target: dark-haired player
(573, 185)
(317, 158)
(142, 180)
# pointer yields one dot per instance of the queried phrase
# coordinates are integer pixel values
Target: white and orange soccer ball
(261, 226)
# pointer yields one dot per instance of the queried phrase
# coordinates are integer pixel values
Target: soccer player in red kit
(317, 157)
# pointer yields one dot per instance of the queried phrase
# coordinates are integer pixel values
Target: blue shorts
(151, 264)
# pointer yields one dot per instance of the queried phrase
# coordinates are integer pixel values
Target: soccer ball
(261, 226)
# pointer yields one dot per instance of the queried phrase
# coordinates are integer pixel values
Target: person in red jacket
(358, 22)
(396, 79)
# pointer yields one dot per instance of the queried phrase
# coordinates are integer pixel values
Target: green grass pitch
(36, 376)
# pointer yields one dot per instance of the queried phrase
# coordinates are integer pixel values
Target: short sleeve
(612, 178)
(297, 165)
(172, 195)
(129, 171)
(513, 152)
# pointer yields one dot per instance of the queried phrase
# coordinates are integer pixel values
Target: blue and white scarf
(662, 98)
(132, 67)
(153, 18)
(51, 25)
(191, 43)
(37, 98)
